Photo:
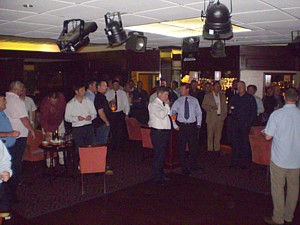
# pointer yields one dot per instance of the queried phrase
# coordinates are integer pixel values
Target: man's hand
(198, 126)
(15, 133)
(167, 101)
(177, 128)
(80, 118)
(88, 118)
(5, 176)
(32, 133)
(126, 117)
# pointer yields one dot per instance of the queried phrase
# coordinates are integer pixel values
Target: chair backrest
(93, 159)
(34, 143)
(146, 139)
(134, 129)
(32, 151)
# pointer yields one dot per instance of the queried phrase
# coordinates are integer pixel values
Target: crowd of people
(99, 110)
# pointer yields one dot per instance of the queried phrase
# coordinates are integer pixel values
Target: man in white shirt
(30, 107)
(18, 117)
(283, 129)
(80, 111)
(5, 174)
(119, 103)
(159, 121)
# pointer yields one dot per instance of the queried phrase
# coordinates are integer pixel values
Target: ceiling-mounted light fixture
(136, 42)
(295, 45)
(114, 31)
(217, 23)
(77, 37)
(190, 48)
(218, 49)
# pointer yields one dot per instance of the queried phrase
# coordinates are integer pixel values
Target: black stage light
(190, 48)
(73, 40)
(217, 23)
(114, 31)
(136, 42)
(218, 49)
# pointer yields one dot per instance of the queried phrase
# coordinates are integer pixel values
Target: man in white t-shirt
(30, 107)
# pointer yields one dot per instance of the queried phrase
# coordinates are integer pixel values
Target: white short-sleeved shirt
(284, 127)
(15, 110)
(30, 107)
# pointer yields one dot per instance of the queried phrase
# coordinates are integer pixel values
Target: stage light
(72, 41)
(190, 48)
(136, 42)
(114, 31)
(295, 44)
(218, 49)
(217, 23)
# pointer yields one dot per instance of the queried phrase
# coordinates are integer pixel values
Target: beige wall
(256, 77)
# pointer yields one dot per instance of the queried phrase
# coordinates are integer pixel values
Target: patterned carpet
(37, 196)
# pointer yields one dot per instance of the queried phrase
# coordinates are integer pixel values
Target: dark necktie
(116, 98)
(186, 109)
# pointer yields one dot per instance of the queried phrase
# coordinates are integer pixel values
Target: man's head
(131, 84)
(163, 83)
(16, 87)
(291, 96)
(217, 86)
(79, 90)
(174, 84)
(115, 85)
(251, 89)
(184, 89)
(102, 86)
(127, 87)
(207, 87)
(241, 87)
(234, 84)
(53, 97)
(194, 84)
(163, 93)
(23, 94)
(91, 85)
(2, 102)
(139, 85)
(276, 90)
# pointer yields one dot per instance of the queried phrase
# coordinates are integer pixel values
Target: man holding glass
(188, 123)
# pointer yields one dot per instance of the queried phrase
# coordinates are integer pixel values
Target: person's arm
(198, 114)
(68, 114)
(13, 133)
(5, 163)
(127, 105)
(260, 106)
(26, 122)
(268, 137)
(174, 111)
(92, 111)
(103, 116)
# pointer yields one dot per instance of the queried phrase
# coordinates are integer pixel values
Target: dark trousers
(118, 130)
(5, 203)
(240, 142)
(188, 134)
(83, 136)
(16, 152)
(142, 115)
(160, 141)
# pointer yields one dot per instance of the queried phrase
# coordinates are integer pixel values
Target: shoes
(270, 221)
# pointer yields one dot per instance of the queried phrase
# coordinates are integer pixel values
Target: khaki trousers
(214, 134)
(284, 206)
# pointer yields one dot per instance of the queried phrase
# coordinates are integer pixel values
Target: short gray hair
(15, 85)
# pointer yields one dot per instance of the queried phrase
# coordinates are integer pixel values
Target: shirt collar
(290, 106)
(12, 94)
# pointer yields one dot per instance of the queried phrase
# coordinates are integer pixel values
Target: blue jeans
(101, 135)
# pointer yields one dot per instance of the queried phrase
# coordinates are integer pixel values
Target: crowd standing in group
(98, 112)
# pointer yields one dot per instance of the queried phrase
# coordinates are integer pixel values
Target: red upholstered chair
(146, 140)
(133, 129)
(261, 148)
(93, 160)
(33, 152)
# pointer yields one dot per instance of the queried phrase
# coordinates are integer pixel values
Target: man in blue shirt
(7, 134)
(188, 123)
(283, 128)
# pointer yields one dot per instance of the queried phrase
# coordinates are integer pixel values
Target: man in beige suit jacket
(216, 111)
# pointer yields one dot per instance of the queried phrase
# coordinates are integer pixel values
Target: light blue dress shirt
(284, 127)
(194, 110)
(5, 126)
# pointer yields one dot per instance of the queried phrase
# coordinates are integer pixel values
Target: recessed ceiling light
(27, 5)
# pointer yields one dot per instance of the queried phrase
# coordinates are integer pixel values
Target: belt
(218, 114)
(160, 129)
(182, 123)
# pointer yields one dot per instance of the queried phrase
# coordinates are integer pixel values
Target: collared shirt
(5, 126)
(5, 160)
(90, 95)
(260, 105)
(218, 102)
(245, 108)
(284, 127)
(152, 97)
(75, 108)
(15, 110)
(194, 110)
(159, 115)
(122, 100)
(30, 107)
(52, 115)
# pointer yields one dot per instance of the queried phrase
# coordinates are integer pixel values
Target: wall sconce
(217, 23)
(72, 41)
(114, 31)
(136, 42)
(218, 49)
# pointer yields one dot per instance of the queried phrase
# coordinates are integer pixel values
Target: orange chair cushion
(92, 159)
(146, 139)
(133, 129)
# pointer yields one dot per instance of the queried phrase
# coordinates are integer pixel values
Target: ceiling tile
(13, 15)
(281, 27)
(13, 28)
(129, 20)
(283, 4)
(44, 19)
(293, 11)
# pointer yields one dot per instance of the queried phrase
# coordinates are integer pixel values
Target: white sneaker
(61, 158)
